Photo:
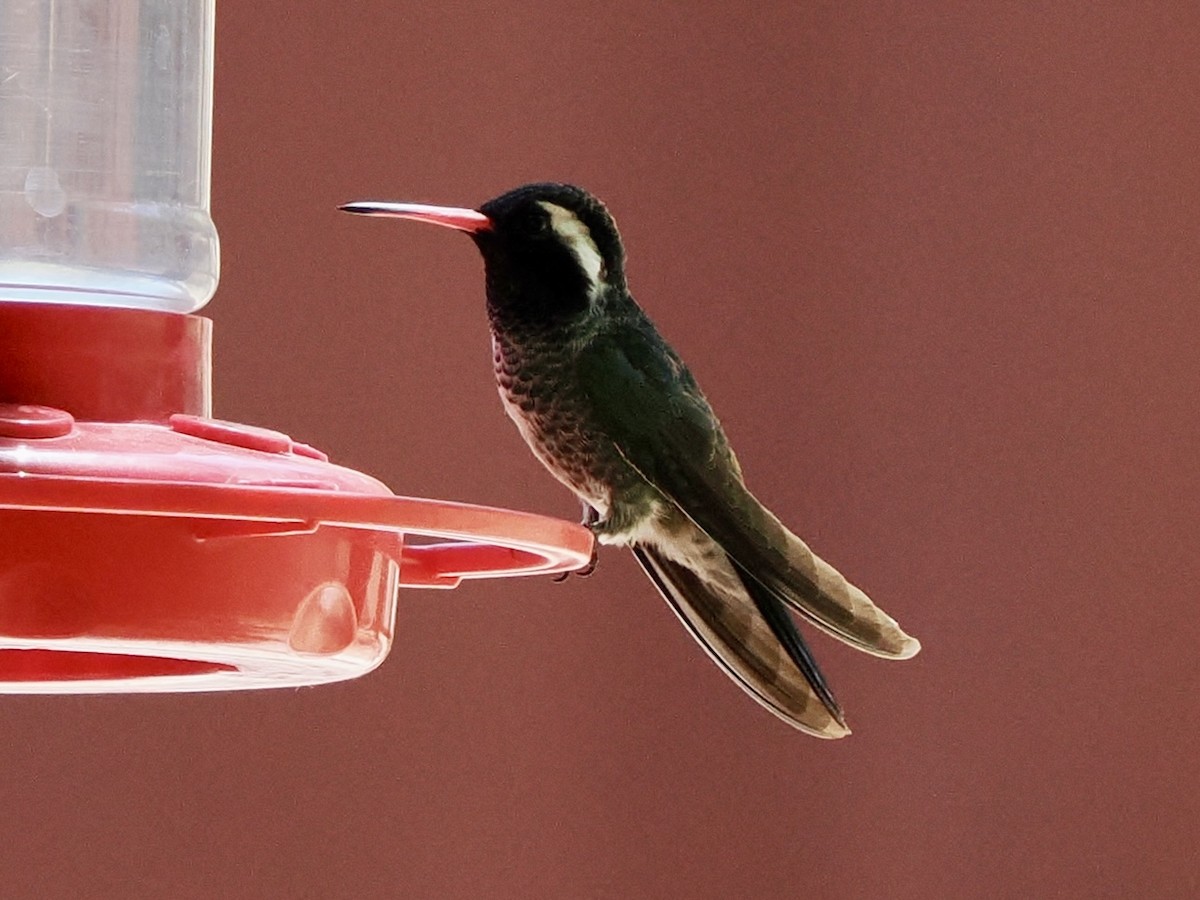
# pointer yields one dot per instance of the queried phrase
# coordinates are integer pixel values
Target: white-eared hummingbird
(611, 410)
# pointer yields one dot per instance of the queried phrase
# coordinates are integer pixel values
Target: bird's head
(550, 251)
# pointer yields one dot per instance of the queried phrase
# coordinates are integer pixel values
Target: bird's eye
(537, 224)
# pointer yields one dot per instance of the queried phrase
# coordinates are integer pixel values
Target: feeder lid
(211, 470)
(204, 555)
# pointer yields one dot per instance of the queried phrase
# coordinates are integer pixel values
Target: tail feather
(780, 621)
(725, 619)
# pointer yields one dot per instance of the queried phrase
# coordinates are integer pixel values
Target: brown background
(936, 264)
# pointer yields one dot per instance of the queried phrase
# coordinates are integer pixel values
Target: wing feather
(648, 404)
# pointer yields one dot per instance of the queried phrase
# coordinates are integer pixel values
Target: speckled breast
(540, 390)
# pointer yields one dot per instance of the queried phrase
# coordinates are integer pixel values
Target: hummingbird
(610, 409)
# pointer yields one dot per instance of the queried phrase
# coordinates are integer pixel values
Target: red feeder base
(147, 547)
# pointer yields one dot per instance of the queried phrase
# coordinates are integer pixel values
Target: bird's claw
(590, 519)
(582, 573)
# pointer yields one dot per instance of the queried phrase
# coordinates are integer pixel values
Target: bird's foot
(582, 573)
(590, 519)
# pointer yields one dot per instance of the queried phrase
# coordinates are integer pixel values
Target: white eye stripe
(578, 237)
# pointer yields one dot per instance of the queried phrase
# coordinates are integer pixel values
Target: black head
(550, 251)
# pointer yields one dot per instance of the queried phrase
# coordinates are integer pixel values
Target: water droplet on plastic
(325, 621)
(44, 193)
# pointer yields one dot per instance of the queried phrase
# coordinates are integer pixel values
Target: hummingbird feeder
(144, 545)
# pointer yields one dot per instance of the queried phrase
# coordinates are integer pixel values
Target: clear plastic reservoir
(105, 136)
